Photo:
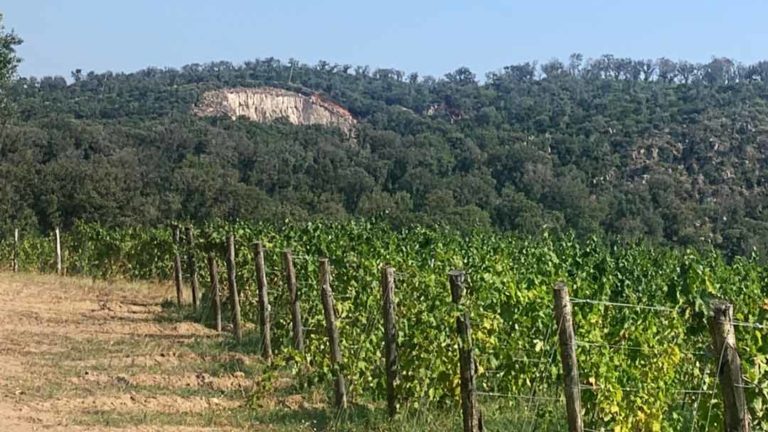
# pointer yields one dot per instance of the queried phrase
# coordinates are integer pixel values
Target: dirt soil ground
(82, 355)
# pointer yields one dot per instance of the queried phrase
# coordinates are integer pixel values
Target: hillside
(663, 151)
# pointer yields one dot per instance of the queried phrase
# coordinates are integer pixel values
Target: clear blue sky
(429, 37)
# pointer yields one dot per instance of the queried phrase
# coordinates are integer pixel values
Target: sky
(425, 36)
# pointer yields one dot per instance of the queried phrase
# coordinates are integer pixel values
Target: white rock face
(267, 104)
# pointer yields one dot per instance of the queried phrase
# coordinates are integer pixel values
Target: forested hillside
(664, 151)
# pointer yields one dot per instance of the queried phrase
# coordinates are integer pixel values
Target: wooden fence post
(729, 367)
(215, 290)
(192, 266)
(15, 262)
(390, 336)
(265, 323)
(340, 386)
(177, 265)
(234, 299)
(472, 417)
(293, 293)
(567, 342)
(58, 252)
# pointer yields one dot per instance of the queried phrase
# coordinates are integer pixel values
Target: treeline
(156, 91)
(659, 151)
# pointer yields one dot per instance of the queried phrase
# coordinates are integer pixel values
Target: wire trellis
(545, 356)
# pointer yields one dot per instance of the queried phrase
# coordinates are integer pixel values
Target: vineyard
(640, 315)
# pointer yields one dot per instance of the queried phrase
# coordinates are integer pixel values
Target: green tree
(9, 61)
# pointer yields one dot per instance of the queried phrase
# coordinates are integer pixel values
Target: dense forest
(651, 150)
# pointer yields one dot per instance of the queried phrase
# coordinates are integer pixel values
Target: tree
(553, 69)
(687, 71)
(661, 151)
(8, 58)
(9, 61)
(575, 61)
(667, 69)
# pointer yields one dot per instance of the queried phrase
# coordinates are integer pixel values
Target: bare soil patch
(84, 355)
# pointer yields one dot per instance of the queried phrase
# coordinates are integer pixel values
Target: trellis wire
(517, 359)
(698, 400)
(533, 388)
(533, 398)
(636, 389)
(369, 322)
(625, 305)
(632, 347)
(657, 308)
(714, 386)
(517, 396)
(749, 324)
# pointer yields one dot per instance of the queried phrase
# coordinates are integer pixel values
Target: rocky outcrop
(267, 104)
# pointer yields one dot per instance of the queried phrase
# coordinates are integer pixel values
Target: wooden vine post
(293, 294)
(326, 294)
(15, 258)
(192, 266)
(215, 290)
(59, 269)
(729, 367)
(264, 309)
(390, 336)
(234, 299)
(567, 343)
(472, 417)
(177, 265)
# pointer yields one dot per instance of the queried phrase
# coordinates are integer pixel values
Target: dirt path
(92, 356)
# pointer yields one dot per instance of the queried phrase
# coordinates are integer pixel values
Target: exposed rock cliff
(266, 104)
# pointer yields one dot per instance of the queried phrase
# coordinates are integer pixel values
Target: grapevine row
(634, 362)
